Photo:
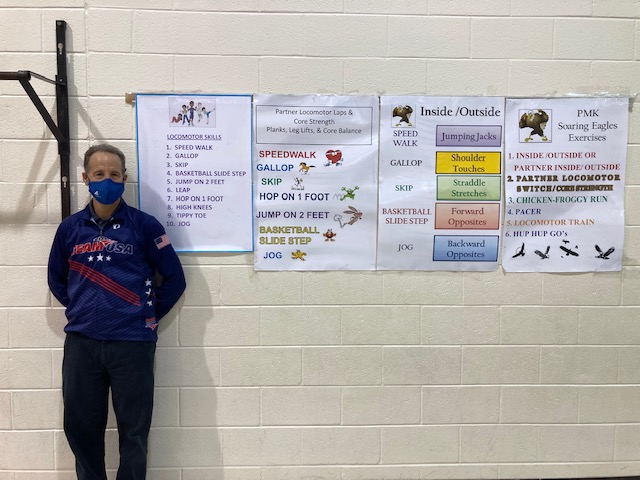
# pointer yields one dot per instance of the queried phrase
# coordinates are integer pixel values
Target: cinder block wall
(328, 375)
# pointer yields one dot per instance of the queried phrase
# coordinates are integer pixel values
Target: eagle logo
(537, 122)
(403, 113)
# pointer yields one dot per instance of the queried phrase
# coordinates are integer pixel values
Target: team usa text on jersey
(103, 244)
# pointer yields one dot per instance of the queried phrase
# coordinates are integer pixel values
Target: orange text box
(467, 216)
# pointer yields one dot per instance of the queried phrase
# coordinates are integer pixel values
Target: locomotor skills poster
(564, 184)
(315, 177)
(440, 183)
(194, 164)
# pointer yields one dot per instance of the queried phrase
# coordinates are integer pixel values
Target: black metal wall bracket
(61, 129)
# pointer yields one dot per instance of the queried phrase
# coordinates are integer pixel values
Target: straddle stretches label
(564, 188)
(440, 183)
(315, 182)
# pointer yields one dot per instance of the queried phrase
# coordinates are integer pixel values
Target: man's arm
(167, 264)
(58, 270)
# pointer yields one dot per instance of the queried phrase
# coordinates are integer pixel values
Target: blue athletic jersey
(116, 280)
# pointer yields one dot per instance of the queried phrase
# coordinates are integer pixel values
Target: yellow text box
(462, 163)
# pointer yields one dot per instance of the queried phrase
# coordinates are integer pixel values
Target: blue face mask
(106, 191)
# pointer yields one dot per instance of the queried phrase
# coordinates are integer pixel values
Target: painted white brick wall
(331, 375)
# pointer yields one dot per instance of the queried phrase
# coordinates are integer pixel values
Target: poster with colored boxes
(564, 184)
(440, 183)
(315, 182)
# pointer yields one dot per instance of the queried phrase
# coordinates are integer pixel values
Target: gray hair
(104, 147)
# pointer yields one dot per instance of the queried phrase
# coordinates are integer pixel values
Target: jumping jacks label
(194, 164)
(564, 185)
(440, 183)
(315, 182)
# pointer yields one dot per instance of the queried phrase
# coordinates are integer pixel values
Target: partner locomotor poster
(194, 166)
(564, 184)
(440, 183)
(315, 176)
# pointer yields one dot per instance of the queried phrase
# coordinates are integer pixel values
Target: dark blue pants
(90, 367)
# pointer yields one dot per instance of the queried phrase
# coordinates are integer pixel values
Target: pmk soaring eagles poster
(564, 184)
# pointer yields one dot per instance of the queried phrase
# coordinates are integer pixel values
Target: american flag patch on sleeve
(162, 241)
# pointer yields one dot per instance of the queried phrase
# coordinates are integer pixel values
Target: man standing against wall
(114, 269)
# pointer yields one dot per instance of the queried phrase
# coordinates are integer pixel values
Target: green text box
(469, 188)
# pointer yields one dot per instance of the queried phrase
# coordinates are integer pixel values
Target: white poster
(440, 183)
(564, 184)
(194, 168)
(315, 174)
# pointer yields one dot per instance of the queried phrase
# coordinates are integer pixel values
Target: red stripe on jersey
(105, 282)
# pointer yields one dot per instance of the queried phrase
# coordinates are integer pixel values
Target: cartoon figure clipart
(349, 193)
(334, 157)
(329, 234)
(304, 168)
(355, 216)
(298, 255)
